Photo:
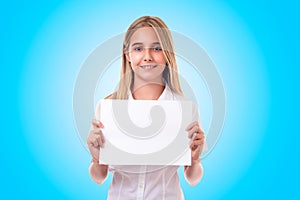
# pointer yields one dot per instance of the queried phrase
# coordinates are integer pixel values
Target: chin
(150, 78)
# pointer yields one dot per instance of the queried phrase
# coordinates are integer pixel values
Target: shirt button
(141, 185)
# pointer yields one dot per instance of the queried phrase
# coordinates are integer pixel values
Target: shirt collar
(167, 94)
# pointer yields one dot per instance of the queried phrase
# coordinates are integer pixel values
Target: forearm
(98, 172)
(193, 173)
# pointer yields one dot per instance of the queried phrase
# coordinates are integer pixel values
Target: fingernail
(100, 124)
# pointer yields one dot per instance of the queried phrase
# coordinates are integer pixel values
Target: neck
(150, 91)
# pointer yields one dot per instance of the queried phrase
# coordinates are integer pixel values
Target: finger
(197, 150)
(192, 131)
(194, 137)
(196, 143)
(96, 131)
(192, 145)
(94, 152)
(199, 136)
(199, 142)
(89, 142)
(101, 140)
(200, 130)
(97, 124)
(196, 153)
(95, 142)
(191, 134)
(98, 136)
(92, 142)
(191, 125)
(200, 147)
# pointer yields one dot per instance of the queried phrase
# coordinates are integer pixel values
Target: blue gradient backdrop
(254, 45)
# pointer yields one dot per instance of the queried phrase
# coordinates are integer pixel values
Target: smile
(147, 67)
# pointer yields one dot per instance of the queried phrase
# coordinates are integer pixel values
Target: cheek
(135, 62)
(161, 59)
(135, 57)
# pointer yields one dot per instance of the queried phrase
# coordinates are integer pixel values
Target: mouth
(148, 67)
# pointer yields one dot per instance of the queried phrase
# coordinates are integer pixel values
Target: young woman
(149, 72)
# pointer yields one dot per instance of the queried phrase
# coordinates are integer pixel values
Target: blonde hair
(170, 73)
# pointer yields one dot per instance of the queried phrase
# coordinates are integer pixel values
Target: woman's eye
(157, 49)
(138, 48)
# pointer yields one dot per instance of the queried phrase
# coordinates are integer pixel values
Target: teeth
(148, 66)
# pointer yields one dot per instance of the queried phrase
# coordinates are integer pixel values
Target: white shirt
(147, 183)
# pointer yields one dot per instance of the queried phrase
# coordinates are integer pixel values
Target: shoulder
(98, 105)
(195, 111)
(179, 97)
(111, 96)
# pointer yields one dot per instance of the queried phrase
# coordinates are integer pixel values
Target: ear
(127, 56)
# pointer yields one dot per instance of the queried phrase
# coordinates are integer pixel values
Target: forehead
(144, 35)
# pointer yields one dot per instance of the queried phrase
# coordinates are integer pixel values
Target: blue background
(254, 45)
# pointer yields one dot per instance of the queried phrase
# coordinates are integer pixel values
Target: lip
(148, 67)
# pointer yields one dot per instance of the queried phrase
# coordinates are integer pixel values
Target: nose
(147, 56)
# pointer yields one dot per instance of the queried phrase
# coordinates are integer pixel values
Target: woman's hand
(196, 134)
(95, 139)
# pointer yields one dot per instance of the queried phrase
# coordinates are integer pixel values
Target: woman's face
(146, 56)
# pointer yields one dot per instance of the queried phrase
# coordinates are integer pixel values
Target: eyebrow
(140, 43)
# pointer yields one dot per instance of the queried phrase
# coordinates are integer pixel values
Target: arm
(193, 174)
(98, 172)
